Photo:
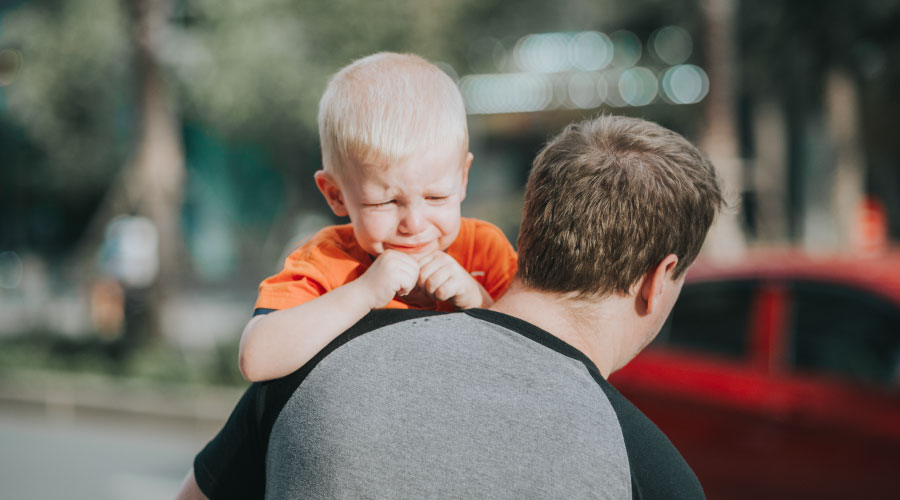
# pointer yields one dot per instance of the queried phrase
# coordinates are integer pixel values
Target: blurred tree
(82, 63)
(820, 69)
(720, 138)
(66, 116)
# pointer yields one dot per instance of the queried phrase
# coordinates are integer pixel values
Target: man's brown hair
(606, 201)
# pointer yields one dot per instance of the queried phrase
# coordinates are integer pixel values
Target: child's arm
(445, 279)
(278, 343)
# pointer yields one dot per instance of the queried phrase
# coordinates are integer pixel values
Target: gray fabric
(447, 407)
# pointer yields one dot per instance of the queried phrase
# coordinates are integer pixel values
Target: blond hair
(385, 107)
(607, 200)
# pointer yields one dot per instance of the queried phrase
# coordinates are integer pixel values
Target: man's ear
(654, 283)
(331, 190)
(465, 174)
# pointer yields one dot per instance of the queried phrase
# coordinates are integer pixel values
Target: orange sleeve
(486, 253)
(297, 282)
(502, 259)
(326, 262)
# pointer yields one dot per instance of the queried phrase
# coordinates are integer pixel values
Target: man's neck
(600, 329)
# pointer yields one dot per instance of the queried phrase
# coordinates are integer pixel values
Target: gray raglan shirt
(412, 404)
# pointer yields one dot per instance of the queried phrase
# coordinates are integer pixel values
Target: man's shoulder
(502, 339)
(374, 320)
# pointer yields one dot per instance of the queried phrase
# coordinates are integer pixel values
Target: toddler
(395, 154)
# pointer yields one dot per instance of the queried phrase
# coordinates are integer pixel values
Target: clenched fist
(443, 278)
(392, 273)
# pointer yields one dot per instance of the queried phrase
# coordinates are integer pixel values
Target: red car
(779, 377)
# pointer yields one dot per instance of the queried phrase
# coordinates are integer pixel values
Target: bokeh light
(591, 51)
(449, 69)
(627, 49)
(506, 93)
(543, 53)
(685, 84)
(638, 86)
(583, 70)
(585, 90)
(611, 83)
(559, 82)
(671, 44)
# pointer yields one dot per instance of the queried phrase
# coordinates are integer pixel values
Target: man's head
(395, 152)
(607, 201)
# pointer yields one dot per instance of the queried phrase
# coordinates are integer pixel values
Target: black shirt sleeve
(658, 471)
(232, 465)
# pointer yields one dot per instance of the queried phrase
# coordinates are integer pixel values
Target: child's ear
(465, 174)
(331, 190)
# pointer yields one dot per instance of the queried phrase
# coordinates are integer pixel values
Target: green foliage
(148, 361)
(72, 91)
(241, 67)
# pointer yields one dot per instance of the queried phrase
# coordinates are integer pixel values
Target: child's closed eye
(380, 204)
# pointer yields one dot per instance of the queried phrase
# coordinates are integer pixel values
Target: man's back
(468, 405)
(461, 408)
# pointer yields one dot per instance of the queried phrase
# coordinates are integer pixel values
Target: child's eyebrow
(376, 189)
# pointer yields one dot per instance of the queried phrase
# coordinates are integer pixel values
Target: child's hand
(444, 279)
(392, 273)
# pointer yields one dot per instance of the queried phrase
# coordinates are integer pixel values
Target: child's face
(412, 206)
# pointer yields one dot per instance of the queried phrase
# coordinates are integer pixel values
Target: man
(510, 402)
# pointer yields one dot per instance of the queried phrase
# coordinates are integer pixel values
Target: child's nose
(411, 221)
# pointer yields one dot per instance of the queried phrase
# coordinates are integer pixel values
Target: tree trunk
(151, 184)
(157, 176)
(849, 174)
(719, 138)
(770, 179)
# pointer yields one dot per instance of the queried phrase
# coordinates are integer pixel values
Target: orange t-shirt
(332, 258)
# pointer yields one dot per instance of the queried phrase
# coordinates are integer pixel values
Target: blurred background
(156, 162)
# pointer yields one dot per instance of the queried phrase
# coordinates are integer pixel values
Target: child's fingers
(436, 258)
(437, 279)
(434, 275)
(394, 273)
(409, 282)
(408, 276)
(447, 290)
(426, 271)
(400, 258)
(436, 263)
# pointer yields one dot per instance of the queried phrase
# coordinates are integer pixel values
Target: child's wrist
(364, 293)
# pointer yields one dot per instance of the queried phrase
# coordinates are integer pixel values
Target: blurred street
(101, 447)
